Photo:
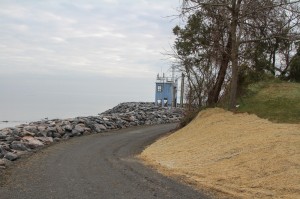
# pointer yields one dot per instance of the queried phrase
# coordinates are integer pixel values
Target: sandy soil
(240, 155)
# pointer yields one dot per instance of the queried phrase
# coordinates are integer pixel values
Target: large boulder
(10, 139)
(32, 129)
(27, 133)
(41, 134)
(45, 140)
(3, 135)
(60, 130)
(32, 142)
(17, 145)
(11, 156)
(99, 127)
(51, 130)
(2, 162)
(68, 127)
(2, 151)
(78, 129)
(42, 128)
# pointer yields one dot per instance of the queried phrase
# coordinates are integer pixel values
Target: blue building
(166, 91)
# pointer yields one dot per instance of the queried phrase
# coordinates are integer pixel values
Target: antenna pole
(173, 74)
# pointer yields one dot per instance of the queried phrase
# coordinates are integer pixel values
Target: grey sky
(63, 58)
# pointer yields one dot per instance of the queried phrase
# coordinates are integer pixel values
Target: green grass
(276, 101)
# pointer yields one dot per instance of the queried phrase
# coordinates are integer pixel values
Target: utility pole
(163, 90)
(174, 92)
(182, 90)
(174, 95)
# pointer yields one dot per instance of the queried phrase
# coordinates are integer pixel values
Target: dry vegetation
(237, 154)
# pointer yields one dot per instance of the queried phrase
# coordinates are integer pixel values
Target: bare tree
(240, 16)
(202, 52)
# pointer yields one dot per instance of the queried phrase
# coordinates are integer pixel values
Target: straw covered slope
(237, 154)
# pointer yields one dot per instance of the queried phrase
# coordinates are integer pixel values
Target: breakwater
(25, 138)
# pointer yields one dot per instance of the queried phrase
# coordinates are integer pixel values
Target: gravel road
(95, 166)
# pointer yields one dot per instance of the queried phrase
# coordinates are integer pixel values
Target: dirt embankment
(237, 154)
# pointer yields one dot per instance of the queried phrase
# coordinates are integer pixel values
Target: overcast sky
(65, 58)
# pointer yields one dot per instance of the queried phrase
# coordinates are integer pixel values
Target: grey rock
(26, 133)
(75, 133)
(60, 130)
(11, 156)
(4, 148)
(49, 134)
(68, 128)
(3, 135)
(106, 119)
(67, 136)
(51, 129)
(57, 135)
(31, 129)
(52, 124)
(45, 140)
(80, 128)
(41, 128)
(41, 134)
(6, 131)
(65, 122)
(16, 132)
(10, 139)
(2, 151)
(86, 133)
(17, 145)
(2, 162)
(86, 129)
(31, 142)
(99, 127)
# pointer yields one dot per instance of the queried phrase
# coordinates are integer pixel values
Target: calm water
(28, 98)
(11, 124)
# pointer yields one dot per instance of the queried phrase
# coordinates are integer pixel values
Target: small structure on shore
(166, 91)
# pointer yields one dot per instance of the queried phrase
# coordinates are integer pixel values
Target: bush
(295, 69)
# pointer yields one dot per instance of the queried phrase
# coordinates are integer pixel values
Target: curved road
(95, 166)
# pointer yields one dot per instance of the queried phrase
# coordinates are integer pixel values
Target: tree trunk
(273, 62)
(234, 78)
(234, 56)
(213, 96)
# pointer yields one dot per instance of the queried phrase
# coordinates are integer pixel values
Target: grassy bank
(276, 101)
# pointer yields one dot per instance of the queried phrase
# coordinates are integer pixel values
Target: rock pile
(28, 137)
